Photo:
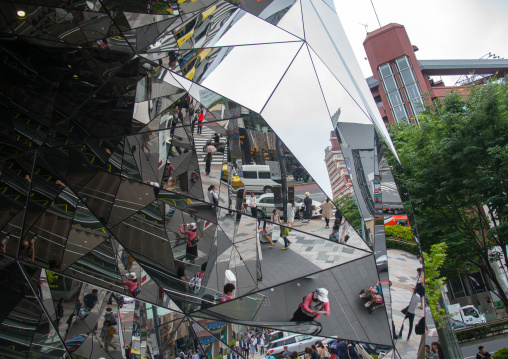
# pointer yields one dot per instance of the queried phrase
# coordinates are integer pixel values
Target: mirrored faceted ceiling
(153, 152)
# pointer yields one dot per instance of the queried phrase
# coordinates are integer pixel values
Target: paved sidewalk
(402, 268)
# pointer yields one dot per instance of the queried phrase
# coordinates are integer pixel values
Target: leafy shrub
(396, 244)
(401, 233)
(481, 331)
(501, 354)
(232, 343)
(379, 220)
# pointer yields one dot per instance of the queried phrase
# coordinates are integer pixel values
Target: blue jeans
(286, 241)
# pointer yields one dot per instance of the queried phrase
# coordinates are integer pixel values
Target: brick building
(401, 81)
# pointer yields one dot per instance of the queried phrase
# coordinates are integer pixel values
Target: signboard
(206, 340)
(274, 170)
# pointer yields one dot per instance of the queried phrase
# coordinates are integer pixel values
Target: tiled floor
(402, 268)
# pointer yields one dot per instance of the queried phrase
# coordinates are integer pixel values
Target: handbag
(195, 240)
(404, 311)
(420, 327)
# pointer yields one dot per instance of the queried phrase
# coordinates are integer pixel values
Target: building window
(393, 93)
(410, 84)
(457, 288)
(477, 283)
(379, 101)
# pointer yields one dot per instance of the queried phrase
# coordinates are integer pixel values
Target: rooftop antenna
(366, 26)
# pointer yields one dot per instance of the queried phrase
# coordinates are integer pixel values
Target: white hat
(192, 226)
(321, 294)
(131, 276)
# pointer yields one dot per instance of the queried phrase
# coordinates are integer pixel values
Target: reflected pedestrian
(291, 213)
(307, 214)
(327, 209)
(208, 163)
(191, 252)
(334, 236)
(239, 204)
(265, 229)
(410, 314)
(314, 304)
(252, 204)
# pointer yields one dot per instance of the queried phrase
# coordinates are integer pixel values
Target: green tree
(349, 209)
(434, 281)
(453, 175)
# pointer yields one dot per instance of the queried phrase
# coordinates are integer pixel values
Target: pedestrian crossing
(200, 141)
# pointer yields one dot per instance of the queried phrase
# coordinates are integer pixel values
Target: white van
(257, 178)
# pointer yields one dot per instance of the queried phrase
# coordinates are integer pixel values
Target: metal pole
(157, 328)
(280, 156)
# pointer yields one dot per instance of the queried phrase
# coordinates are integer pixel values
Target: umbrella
(210, 149)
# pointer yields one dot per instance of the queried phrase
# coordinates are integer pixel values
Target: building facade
(401, 83)
(340, 179)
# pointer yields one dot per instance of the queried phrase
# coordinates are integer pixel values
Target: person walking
(307, 214)
(239, 204)
(265, 229)
(327, 214)
(261, 341)
(410, 314)
(313, 305)
(107, 333)
(200, 122)
(252, 205)
(191, 252)
(341, 349)
(212, 196)
(275, 219)
(252, 349)
(208, 163)
(351, 351)
(284, 233)
(291, 213)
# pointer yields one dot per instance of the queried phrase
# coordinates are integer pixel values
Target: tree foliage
(349, 209)
(434, 281)
(454, 173)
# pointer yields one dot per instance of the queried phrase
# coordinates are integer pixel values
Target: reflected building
(122, 125)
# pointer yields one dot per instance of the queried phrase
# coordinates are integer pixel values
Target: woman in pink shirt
(314, 304)
(191, 253)
(132, 283)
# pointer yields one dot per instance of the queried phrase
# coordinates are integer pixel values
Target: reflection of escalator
(362, 181)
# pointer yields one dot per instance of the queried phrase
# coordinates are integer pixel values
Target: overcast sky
(442, 29)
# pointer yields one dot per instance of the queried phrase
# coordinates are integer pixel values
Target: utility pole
(283, 177)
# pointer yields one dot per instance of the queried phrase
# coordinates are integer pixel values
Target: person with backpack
(191, 252)
(132, 284)
(313, 305)
(229, 290)
(110, 316)
(195, 282)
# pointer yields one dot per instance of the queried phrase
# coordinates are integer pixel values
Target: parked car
(297, 343)
(265, 206)
(397, 220)
(236, 181)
